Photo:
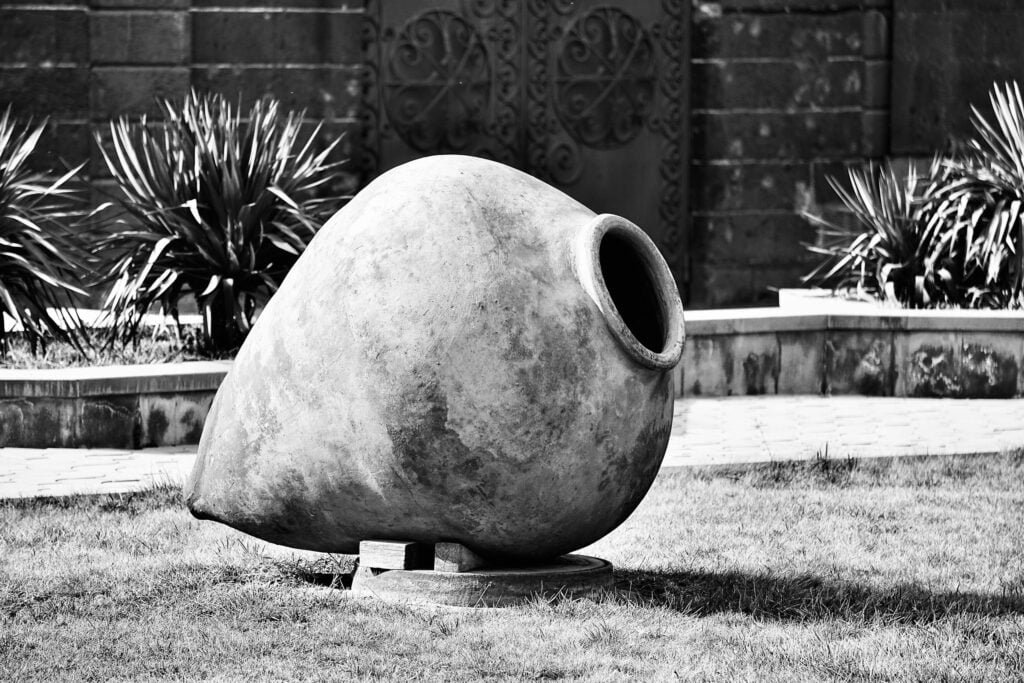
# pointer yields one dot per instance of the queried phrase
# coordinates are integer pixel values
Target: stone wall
(81, 63)
(785, 93)
(946, 56)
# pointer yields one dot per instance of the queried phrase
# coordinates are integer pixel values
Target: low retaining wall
(130, 406)
(860, 350)
(874, 352)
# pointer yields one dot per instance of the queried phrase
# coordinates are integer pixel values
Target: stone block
(106, 422)
(990, 364)
(783, 86)
(36, 422)
(735, 283)
(731, 365)
(54, 91)
(875, 132)
(859, 362)
(328, 93)
(877, 43)
(139, 38)
(738, 187)
(132, 91)
(776, 135)
(777, 36)
(231, 37)
(944, 60)
(877, 84)
(753, 239)
(40, 36)
(959, 364)
(801, 362)
(173, 419)
(926, 364)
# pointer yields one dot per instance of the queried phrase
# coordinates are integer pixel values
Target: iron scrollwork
(671, 207)
(606, 78)
(437, 84)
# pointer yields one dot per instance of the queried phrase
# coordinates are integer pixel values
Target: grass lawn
(833, 570)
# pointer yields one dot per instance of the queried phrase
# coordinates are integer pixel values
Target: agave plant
(954, 237)
(982, 208)
(39, 261)
(887, 256)
(218, 206)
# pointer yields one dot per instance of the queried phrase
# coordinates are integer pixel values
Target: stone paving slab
(706, 431)
(30, 473)
(736, 430)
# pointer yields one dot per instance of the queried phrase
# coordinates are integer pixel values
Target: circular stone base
(576, 576)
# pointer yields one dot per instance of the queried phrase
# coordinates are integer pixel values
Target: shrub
(39, 261)
(218, 206)
(954, 237)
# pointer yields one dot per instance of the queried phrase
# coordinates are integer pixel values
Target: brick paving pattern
(733, 430)
(706, 431)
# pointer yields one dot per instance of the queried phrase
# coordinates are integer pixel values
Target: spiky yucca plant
(952, 238)
(219, 206)
(982, 207)
(39, 262)
(887, 254)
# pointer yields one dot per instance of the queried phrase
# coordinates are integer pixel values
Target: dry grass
(885, 570)
(154, 345)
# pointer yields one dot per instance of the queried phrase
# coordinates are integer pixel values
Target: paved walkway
(706, 431)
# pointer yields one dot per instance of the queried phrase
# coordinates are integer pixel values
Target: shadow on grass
(788, 598)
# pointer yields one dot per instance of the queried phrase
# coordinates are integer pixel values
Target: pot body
(438, 367)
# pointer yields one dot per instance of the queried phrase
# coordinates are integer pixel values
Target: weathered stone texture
(330, 93)
(276, 37)
(104, 421)
(137, 38)
(78, 64)
(959, 365)
(118, 91)
(946, 56)
(781, 88)
(39, 36)
(731, 365)
(859, 363)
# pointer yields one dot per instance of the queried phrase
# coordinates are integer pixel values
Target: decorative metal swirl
(671, 207)
(368, 152)
(606, 78)
(437, 85)
(503, 37)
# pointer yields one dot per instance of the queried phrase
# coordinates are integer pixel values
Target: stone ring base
(569, 576)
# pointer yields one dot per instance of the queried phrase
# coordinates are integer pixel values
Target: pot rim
(588, 262)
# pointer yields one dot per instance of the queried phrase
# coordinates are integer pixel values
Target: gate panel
(586, 95)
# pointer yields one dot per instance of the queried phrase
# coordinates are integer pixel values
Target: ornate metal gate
(589, 96)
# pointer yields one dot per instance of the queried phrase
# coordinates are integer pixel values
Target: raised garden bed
(117, 406)
(814, 344)
(809, 345)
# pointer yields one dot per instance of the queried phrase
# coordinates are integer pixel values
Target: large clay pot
(463, 353)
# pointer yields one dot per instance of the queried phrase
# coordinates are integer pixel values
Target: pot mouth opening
(635, 290)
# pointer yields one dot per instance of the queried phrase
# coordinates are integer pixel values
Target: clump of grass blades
(39, 261)
(218, 206)
(954, 237)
